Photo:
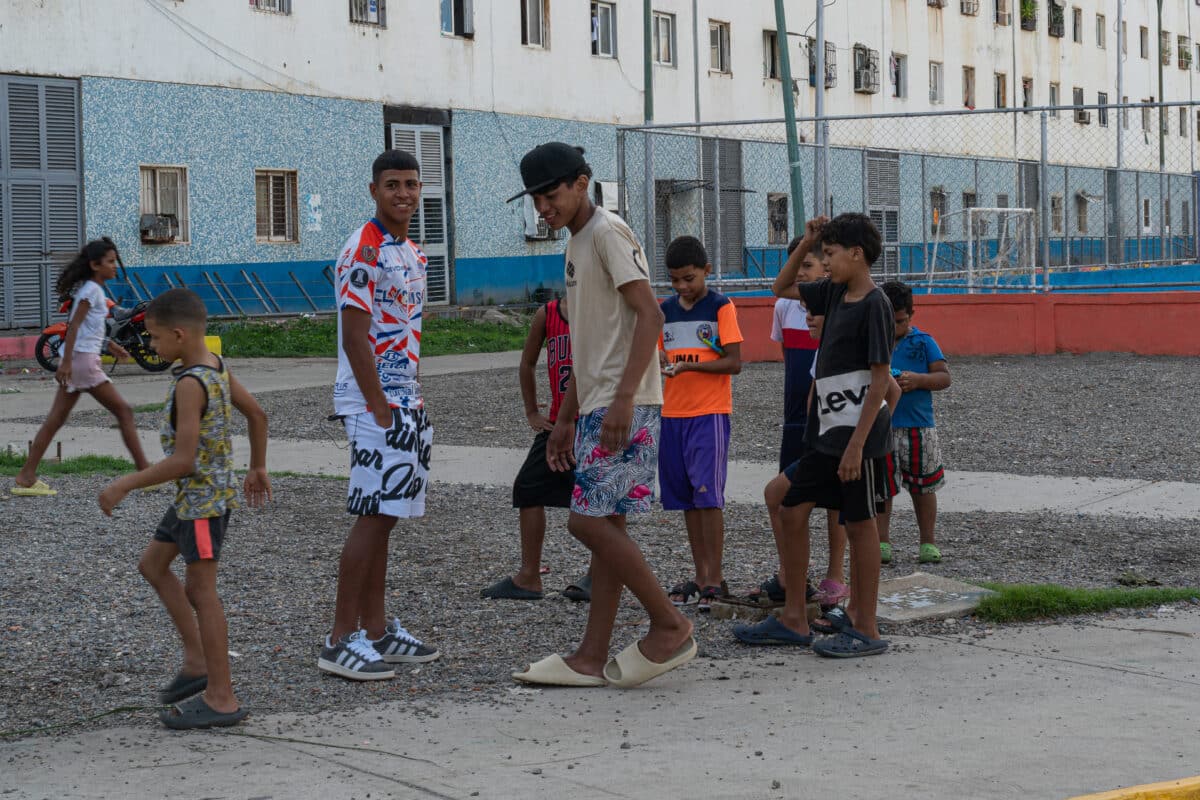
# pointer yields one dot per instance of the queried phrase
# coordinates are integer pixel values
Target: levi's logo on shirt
(840, 399)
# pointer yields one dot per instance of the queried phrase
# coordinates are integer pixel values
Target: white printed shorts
(389, 467)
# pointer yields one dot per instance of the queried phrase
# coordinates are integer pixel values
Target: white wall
(317, 51)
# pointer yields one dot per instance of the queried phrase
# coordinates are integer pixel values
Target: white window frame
(1102, 112)
(664, 33)
(721, 52)
(361, 12)
(771, 67)
(1076, 24)
(459, 16)
(1124, 38)
(1054, 98)
(154, 205)
(290, 232)
(898, 69)
(600, 47)
(535, 32)
(937, 82)
(1101, 31)
(272, 6)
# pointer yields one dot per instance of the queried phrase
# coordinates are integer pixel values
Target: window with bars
(771, 67)
(1081, 213)
(899, 70)
(1184, 48)
(164, 196)
(1001, 87)
(1101, 31)
(1055, 94)
(777, 218)
(275, 206)
(274, 6)
(1076, 25)
(1144, 41)
(533, 23)
(866, 69)
(1056, 213)
(937, 209)
(1055, 24)
(604, 29)
(1102, 112)
(369, 12)
(664, 38)
(968, 87)
(718, 47)
(937, 82)
(969, 200)
(830, 62)
(1164, 47)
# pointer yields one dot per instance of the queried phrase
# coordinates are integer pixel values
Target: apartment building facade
(230, 141)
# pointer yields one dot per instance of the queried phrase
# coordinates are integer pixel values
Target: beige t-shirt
(601, 258)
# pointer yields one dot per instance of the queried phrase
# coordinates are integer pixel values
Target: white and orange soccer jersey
(386, 279)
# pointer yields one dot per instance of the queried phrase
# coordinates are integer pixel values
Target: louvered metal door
(883, 207)
(430, 225)
(41, 217)
(730, 255)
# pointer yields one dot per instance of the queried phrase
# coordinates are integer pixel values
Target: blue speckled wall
(222, 136)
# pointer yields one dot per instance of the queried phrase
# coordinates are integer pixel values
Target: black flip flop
(849, 643)
(196, 714)
(580, 591)
(183, 687)
(838, 620)
(508, 590)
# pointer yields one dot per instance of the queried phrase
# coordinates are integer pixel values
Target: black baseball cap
(547, 164)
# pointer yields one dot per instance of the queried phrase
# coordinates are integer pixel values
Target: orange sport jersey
(698, 334)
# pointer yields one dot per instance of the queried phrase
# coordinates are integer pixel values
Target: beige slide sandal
(630, 668)
(553, 671)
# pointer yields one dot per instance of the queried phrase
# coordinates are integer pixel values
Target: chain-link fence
(1054, 189)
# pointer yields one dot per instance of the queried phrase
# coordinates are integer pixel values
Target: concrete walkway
(1040, 711)
(493, 466)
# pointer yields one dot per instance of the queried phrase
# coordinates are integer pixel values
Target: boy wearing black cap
(616, 390)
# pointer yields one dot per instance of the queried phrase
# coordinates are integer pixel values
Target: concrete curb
(22, 347)
(1182, 789)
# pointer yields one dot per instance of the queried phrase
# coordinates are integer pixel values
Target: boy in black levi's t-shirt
(849, 428)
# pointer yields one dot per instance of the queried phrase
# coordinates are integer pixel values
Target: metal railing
(1103, 196)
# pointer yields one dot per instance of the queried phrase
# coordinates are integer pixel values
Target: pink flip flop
(830, 592)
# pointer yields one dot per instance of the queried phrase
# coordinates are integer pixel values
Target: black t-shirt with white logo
(855, 336)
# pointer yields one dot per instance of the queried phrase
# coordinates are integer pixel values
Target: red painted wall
(1146, 323)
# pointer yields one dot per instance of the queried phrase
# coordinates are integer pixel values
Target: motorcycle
(125, 326)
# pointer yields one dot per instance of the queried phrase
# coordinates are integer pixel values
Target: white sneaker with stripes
(353, 658)
(398, 646)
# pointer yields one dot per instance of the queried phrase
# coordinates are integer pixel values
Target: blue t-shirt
(914, 353)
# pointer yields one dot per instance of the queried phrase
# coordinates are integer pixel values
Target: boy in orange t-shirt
(700, 350)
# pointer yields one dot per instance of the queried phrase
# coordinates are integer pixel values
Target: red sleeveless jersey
(558, 355)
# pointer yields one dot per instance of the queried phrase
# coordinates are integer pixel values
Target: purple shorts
(693, 460)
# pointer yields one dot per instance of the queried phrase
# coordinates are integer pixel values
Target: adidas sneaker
(352, 657)
(398, 646)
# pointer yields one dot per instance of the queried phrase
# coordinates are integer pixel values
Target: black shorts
(197, 539)
(815, 480)
(539, 486)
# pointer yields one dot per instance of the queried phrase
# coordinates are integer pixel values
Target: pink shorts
(86, 373)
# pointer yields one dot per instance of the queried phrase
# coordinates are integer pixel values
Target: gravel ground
(82, 632)
(1091, 415)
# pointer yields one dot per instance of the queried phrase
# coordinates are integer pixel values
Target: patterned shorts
(917, 460)
(616, 483)
(389, 468)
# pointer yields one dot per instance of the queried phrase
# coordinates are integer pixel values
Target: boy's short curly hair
(854, 230)
(178, 307)
(685, 251)
(900, 294)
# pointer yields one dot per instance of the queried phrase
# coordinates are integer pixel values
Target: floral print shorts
(616, 483)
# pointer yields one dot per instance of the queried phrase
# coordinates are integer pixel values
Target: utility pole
(789, 114)
(648, 56)
(696, 61)
(822, 192)
(1162, 120)
(1121, 83)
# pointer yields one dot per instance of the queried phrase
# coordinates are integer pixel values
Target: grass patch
(149, 407)
(11, 462)
(1016, 602)
(309, 336)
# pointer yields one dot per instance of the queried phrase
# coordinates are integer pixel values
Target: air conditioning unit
(1004, 18)
(536, 229)
(865, 81)
(969, 7)
(158, 228)
(1083, 117)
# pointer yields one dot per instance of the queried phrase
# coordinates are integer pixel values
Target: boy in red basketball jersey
(537, 486)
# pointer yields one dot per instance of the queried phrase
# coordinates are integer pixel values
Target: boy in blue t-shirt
(917, 459)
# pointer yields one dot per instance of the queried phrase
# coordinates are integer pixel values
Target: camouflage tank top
(210, 489)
